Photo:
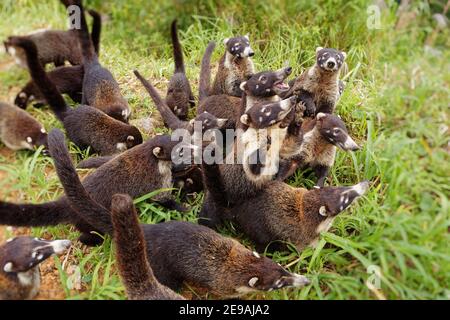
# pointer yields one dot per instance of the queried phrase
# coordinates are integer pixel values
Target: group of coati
(299, 126)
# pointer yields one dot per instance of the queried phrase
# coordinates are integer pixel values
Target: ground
(393, 244)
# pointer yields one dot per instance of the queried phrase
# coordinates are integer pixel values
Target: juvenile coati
(19, 130)
(263, 87)
(100, 89)
(235, 66)
(198, 255)
(19, 265)
(179, 93)
(55, 46)
(131, 254)
(85, 126)
(320, 137)
(136, 172)
(319, 87)
(68, 80)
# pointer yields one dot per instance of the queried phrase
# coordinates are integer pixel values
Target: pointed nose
(330, 64)
(251, 53)
(300, 281)
(288, 70)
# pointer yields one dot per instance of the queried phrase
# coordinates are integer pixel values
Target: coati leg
(94, 162)
(288, 167)
(209, 215)
(321, 172)
(171, 204)
(307, 99)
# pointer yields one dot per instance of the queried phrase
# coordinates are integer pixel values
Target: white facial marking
(22, 95)
(190, 181)
(29, 140)
(300, 281)
(59, 246)
(121, 146)
(247, 51)
(34, 254)
(8, 267)
(40, 257)
(260, 119)
(361, 187)
(257, 86)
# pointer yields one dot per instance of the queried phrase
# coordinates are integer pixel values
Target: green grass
(396, 104)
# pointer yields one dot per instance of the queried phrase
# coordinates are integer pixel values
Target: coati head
(333, 129)
(208, 121)
(263, 274)
(239, 47)
(131, 138)
(164, 149)
(24, 253)
(330, 60)
(264, 116)
(267, 83)
(22, 99)
(118, 112)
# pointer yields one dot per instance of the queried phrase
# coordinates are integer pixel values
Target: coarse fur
(205, 73)
(85, 126)
(19, 130)
(19, 265)
(179, 93)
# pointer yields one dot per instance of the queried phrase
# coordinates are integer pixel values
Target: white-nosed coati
(19, 130)
(319, 87)
(56, 46)
(179, 93)
(131, 254)
(85, 126)
(235, 66)
(100, 88)
(68, 80)
(19, 265)
(136, 172)
(263, 87)
(198, 255)
(319, 139)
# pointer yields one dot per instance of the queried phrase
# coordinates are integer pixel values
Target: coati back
(68, 80)
(19, 265)
(85, 126)
(179, 93)
(19, 130)
(100, 89)
(134, 268)
(55, 46)
(235, 66)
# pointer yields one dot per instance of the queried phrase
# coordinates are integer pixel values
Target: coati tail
(96, 30)
(212, 179)
(94, 162)
(33, 215)
(87, 209)
(168, 116)
(177, 50)
(40, 77)
(205, 72)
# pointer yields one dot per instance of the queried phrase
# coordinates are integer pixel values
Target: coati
(55, 46)
(179, 93)
(319, 87)
(320, 137)
(100, 89)
(281, 213)
(235, 66)
(263, 87)
(131, 255)
(138, 171)
(68, 80)
(19, 130)
(20, 257)
(85, 126)
(198, 255)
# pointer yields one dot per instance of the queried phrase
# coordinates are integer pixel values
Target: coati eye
(252, 282)
(263, 79)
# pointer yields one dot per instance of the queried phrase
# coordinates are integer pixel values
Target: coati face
(208, 121)
(264, 274)
(24, 253)
(22, 99)
(239, 47)
(263, 116)
(35, 139)
(132, 138)
(178, 101)
(164, 149)
(120, 113)
(267, 83)
(330, 60)
(333, 129)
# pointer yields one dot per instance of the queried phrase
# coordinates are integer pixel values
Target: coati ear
(225, 41)
(8, 267)
(221, 122)
(157, 152)
(243, 86)
(318, 49)
(130, 138)
(320, 115)
(29, 140)
(246, 36)
(22, 95)
(245, 119)
(252, 282)
(192, 122)
(344, 54)
(323, 211)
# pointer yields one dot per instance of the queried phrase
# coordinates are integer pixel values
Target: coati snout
(239, 46)
(267, 83)
(263, 116)
(333, 129)
(23, 253)
(330, 59)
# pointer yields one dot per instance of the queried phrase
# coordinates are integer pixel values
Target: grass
(395, 104)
